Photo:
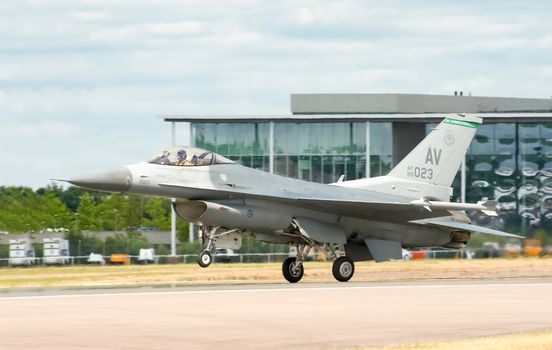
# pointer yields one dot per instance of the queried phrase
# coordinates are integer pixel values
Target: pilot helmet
(181, 154)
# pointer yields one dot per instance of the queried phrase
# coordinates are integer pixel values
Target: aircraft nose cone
(112, 181)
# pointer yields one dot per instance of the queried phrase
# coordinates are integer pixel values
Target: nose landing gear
(205, 259)
(211, 235)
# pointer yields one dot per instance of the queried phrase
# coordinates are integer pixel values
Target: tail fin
(437, 158)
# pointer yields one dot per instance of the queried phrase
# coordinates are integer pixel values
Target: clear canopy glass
(189, 156)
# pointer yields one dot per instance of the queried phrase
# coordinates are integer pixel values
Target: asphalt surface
(271, 316)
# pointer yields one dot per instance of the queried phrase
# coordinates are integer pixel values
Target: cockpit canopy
(189, 156)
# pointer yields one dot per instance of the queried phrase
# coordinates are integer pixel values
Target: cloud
(93, 75)
(474, 83)
(177, 28)
(234, 38)
(32, 162)
(42, 130)
(325, 12)
(544, 71)
(462, 25)
(544, 42)
(92, 15)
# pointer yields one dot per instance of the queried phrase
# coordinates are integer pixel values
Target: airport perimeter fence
(124, 259)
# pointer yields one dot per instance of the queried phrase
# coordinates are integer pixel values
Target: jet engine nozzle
(118, 180)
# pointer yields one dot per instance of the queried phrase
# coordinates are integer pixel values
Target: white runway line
(288, 289)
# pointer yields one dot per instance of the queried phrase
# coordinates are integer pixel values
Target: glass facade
(245, 143)
(381, 148)
(319, 152)
(512, 164)
(508, 162)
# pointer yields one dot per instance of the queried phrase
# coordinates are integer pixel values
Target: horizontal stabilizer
(488, 208)
(471, 228)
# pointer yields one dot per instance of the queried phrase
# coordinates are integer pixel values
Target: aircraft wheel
(205, 259)
(343, 269)
(292, 270)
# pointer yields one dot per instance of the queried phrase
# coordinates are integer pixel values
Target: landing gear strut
(210, 236)
(292, 268)
(205, 258)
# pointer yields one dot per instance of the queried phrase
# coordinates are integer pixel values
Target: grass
(39, 277)
(519, 341)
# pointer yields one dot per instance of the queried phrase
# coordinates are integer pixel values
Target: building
(364, 135)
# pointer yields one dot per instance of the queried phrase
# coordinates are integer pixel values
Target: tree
(135, 211)
(182, 231)
(82, 245)
(113, 212)
(117, 244)
(59, 215)
(87, 213)
(156, 215)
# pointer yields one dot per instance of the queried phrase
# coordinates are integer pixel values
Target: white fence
(160, 259)
(258, 257)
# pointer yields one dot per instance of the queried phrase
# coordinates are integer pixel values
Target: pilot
(181, 158)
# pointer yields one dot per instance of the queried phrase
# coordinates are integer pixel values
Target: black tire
(205, 259)
(292, 272)
(343, 269)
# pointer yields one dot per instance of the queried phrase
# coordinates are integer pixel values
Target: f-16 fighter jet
(368, 219)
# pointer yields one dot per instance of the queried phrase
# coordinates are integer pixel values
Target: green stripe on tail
(461, 123)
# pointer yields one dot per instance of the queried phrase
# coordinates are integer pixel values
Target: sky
(83, 83)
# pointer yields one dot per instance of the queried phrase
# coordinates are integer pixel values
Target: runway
(312, 315)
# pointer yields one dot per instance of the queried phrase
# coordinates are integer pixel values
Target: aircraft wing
(470, 227)
(381, 211)
(426, 213)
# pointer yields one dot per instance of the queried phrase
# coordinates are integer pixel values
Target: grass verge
(519, 341)
(39, 277)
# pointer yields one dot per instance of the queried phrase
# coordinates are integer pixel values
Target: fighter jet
(368, 219)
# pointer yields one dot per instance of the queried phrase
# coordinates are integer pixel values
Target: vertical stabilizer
(437, 158)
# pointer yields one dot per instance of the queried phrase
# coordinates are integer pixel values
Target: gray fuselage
(269, 202)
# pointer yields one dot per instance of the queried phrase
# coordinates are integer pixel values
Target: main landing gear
(293, 270)
(343, 268)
